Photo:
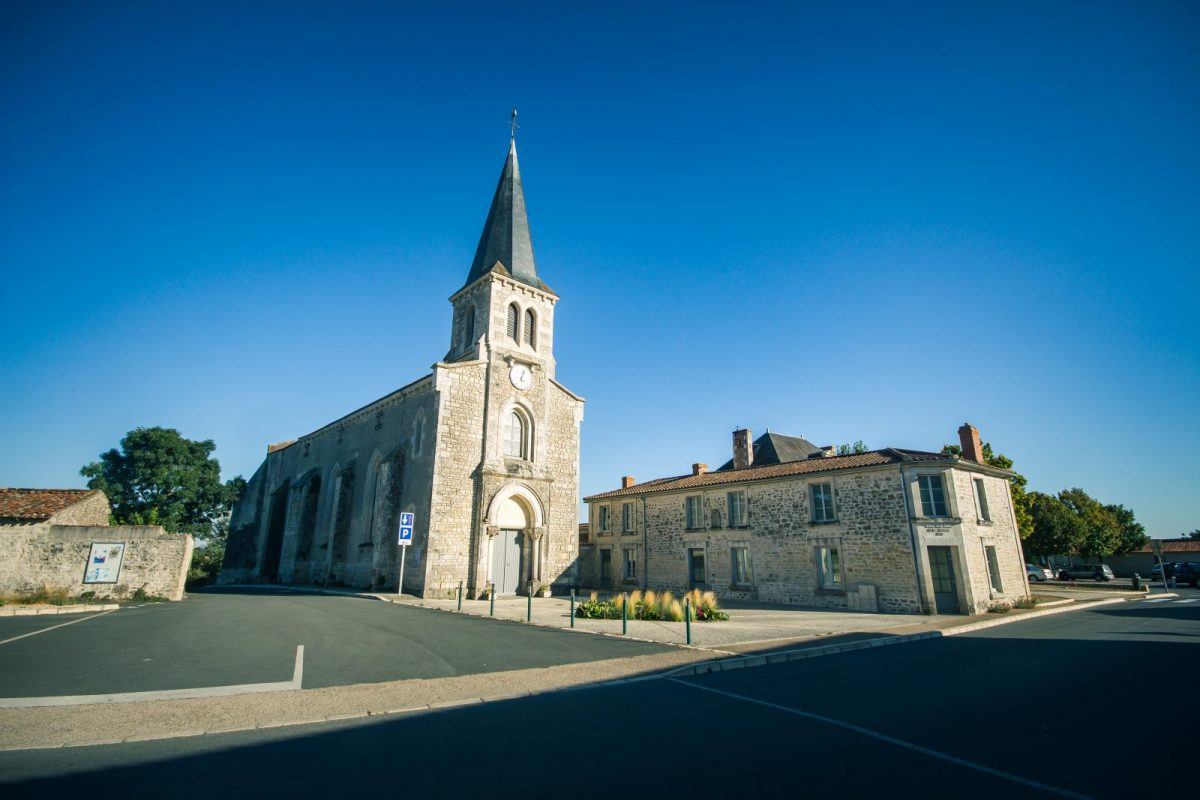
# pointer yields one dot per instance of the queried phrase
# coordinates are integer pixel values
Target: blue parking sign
(406, 529)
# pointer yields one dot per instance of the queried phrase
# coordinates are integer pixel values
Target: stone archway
(514, 530)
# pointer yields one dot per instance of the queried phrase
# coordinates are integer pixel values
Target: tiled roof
(1175, 546)
(872, 458)
(775, 448)
(37, 504)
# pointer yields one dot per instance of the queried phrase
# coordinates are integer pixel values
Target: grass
(58, 596)
(652, 605)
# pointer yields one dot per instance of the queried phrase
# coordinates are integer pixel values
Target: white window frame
(827, 506)
(930, 510)
(629, 563)
(992, 559)
(628, 522)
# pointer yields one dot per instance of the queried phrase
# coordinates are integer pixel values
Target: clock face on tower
(520, 376)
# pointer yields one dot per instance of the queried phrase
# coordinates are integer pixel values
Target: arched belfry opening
(514, 531)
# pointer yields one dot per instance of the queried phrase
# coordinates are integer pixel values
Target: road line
(891, 740)
(52, 627)
(1157, 600)
(164, 694)
(1189, 600)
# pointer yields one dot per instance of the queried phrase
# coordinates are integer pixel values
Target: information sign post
(404, 540)
(1156, 548)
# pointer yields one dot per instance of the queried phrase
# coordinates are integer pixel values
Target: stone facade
(51, 550)
(875, 541)
(483, 451)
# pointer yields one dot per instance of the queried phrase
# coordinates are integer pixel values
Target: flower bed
(652, 605)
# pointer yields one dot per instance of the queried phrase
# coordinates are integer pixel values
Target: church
(483, 452)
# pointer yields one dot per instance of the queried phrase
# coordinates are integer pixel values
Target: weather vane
(514, 122)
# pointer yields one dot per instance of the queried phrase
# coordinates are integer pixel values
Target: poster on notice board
(104, 562)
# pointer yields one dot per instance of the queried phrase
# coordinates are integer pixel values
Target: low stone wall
(57, 556)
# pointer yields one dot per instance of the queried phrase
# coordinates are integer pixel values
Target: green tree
(1022, 502)
(157, 477)
(851, 449)
(1102, 531)
(1056, 529)
(1133, 533)
(1195, 534)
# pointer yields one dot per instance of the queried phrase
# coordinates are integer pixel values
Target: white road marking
(1189, 600)
(165, 694)
(1158, 600)
(52, 627)
(892, 740)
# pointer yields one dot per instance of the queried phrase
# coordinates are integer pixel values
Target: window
(933, 496)
(603, 512)
(630, 563)
(418, 434)
(829, 568)
(981, 505)
(695, 519)
(822, 502)
(696, 574)
(737, 509)
(740, 558)
(529, 327)
(605, 568)
(469, 328)
(514, 436)
(993, 567)
(513, 320)
(627, 518)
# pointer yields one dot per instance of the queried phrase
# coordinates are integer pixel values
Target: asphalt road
(1050, 707)
(223, 639)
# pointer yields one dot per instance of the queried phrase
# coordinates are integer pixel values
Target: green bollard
(625, 613)
(529, 604)
(492, 599)
(460, 595)
(572, 608)
(687, 618)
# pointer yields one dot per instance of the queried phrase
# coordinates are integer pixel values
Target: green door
(945, 588)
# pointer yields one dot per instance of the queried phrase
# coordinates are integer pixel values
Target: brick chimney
(743, 448)
(699, 469)
(968, 437)
(627, 481)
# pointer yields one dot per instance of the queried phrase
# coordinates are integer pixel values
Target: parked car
(1098, 572)
(1186, 572)
(1037, 573)
(1157, 570)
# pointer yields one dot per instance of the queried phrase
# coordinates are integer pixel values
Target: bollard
(492, 599)
(572, 608)
(460, 595)
(687, 618)
(624, 613)
(529, 604)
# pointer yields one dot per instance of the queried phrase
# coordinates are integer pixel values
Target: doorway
(945, 587)
(506, 560)
(606, 569)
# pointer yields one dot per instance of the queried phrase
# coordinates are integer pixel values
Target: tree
(1022, 501)
(1133, 533)
(851, 449)
(160, 478)
(1056, 529)
(1195, 534)
(1102, 532)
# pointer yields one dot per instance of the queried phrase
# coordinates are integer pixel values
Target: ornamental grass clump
(652, 606)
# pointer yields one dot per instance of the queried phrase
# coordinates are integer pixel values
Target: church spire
(506, 233)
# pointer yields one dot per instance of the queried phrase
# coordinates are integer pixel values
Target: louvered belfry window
(512, 322)
(529, 327)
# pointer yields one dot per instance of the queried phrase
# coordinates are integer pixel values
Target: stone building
(484, 451)
(61, 539)
(787, 521)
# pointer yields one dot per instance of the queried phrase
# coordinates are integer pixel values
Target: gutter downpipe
(912, 534)
(645, 546)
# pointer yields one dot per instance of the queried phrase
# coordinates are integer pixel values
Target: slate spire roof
(505, 236)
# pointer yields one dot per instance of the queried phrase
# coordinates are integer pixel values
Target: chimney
(743, 448)
(627, 481)
(968, 437)
(699, 469)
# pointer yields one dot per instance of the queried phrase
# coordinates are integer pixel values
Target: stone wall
(56, 556)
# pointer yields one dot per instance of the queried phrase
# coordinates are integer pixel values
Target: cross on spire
(514, 122)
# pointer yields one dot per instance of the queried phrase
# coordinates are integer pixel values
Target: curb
(743, 662)
(57, 610)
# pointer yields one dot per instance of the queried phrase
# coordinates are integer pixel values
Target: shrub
(1027, 602)
(999, 608)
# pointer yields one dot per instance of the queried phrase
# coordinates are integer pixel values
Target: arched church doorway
(508, 548)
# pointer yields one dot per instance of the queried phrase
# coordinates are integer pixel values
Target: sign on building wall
(104, 562)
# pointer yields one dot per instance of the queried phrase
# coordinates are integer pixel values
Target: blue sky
(841, 221)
